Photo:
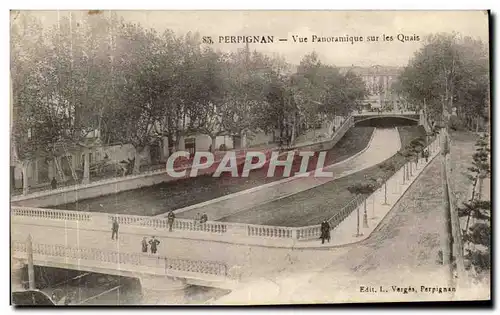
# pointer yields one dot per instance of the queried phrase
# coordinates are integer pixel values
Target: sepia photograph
(249, 157)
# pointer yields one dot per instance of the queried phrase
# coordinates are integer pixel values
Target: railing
(269, 231)
(122, 258)
(51, 214)
(340, 216)
(385, 113)
(314, 231)
(162, 223)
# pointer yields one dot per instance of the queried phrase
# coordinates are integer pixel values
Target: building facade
(379, 81)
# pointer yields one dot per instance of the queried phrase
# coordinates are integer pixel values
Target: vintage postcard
(249, 157)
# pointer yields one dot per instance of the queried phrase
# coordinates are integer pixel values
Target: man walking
(325, 232)
(144, 245)
(170, 221)
(153, 244)
(53, 183)
(114, 229)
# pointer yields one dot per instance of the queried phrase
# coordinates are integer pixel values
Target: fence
(456, 232)
(123, 258)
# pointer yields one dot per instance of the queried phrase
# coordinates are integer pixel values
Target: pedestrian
(170, 220)
(114, 229)
(426, 155)
(53, 183)
(325, 232)
(153, 242)
(204, 218)
(144, 245)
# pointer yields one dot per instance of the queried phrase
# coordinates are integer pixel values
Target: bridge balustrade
(116, 257)
(162, 223)
(52, 214)
(269, 231)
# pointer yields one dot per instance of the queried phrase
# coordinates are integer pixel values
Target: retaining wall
(74, 193)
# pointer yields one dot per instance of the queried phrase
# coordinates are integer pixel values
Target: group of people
(201, 219)
(152, 243)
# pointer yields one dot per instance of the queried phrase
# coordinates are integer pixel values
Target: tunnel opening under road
(91, 288)
(385, 122)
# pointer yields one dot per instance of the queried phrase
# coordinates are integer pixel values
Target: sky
(285, 24)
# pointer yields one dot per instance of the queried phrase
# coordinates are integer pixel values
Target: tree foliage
(451, 70)
(478, 235)
(133, 85)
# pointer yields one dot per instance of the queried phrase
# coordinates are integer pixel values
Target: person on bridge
(144, 245)
(153, 242)
(114, 229)
(325, 232)
(170, 220)
(204, 218)
(53, 183)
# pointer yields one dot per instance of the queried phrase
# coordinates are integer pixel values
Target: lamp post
(380, 180)
(31, 269)
(358, 234)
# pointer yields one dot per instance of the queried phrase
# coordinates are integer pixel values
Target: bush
(222, 147)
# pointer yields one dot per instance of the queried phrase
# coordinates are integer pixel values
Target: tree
(209, 109)
(478, 236)
(37, 123)
(244, 90)
(416, 147)
(388, 168)
(449, 69)
(362, 189)
(137, 89)
(480, 169)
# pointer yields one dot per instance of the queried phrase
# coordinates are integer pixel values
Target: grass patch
(161, 198)
(314, 205)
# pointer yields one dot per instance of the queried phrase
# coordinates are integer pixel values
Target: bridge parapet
(123, 259)
(51, 214)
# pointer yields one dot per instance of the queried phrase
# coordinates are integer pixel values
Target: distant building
(379, 81)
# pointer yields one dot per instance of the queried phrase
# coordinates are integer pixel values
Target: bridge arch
(386, 121)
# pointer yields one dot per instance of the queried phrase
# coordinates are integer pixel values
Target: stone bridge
(389, 118)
